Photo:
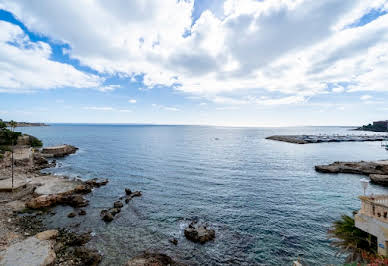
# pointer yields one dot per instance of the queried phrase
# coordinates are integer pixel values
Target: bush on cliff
(349, 239)
(35, 142)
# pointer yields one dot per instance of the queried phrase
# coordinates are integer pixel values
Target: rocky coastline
(307, 139)
(24, 240)
(376, 170)
(33, 195)
(28, 124)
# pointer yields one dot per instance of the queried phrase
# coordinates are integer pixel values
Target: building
(381, 124)
(373, 219)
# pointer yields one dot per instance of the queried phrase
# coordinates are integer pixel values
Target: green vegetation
(351, 240)
(8, 137)
(374, 128)
(35, 142)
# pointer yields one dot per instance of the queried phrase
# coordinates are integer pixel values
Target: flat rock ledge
(152, 259)
(59, 151)
(33, 251)
(362, 168)
(72, 196)
(306, 139)
(377, 170)
(198, 232)
(379, 179)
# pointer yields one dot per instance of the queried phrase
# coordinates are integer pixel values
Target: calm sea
(264, 198)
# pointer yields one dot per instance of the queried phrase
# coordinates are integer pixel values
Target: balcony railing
(375, 206)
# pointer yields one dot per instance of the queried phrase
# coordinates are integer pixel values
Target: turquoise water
(264, 198)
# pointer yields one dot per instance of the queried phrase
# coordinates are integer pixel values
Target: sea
(264, 199)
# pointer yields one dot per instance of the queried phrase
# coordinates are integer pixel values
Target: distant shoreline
(27, 124)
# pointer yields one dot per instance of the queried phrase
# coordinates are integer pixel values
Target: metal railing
(375, 206)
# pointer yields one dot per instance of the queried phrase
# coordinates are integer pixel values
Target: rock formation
(363, 168)
(59, 151)
(198, 232)
(152, 259)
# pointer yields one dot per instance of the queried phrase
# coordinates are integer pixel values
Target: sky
(206, 62)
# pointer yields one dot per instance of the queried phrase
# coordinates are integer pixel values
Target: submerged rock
(97, 182)
(114, 211)
(107, 217)
(71, 215)
(88, 256)
(198, 232)
(152, 259)
(173, 241)
(82, 212)
(118, 204)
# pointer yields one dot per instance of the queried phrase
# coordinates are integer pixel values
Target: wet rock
(71, 215)
(128, 191)
(127, 200)
(379, 179)
(106, 216)
(173, 241)
(82, 212)
(88, 256)
(118, 204)
(198, 232)
(152, 259)
(47, 235)
(97, 182)
(83, 189)
(136, 194)
(74, 201)
(114, 211)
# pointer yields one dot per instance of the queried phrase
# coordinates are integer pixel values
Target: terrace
(373, 218)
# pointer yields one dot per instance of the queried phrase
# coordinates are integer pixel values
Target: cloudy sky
(232, 62)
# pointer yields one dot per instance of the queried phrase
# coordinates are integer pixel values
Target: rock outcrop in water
(108, 215)
(152, 259)
(377, 170)
(59, 151)
(198, 232)
(362, 167)
(306, 139)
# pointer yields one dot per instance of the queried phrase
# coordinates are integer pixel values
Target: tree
(12, 125)
(349, 239)
(3, 125)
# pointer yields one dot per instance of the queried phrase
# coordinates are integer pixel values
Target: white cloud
(132, 101)
(294, 49)
(26, 66)
(166, 108)
(365, 97)
(338, 89)
(108, 88)
(97, 108)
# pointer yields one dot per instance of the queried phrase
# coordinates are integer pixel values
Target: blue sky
(233, 63)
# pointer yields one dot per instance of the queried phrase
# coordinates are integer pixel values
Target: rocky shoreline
(307, 139)
(376, 170)
(24, 240)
